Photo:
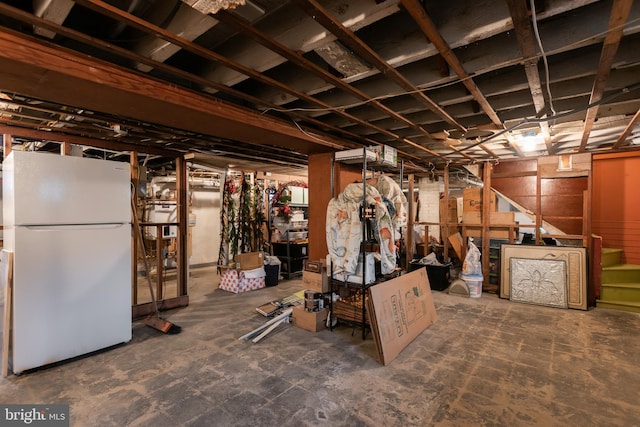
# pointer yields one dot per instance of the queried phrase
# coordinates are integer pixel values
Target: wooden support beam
(409, 243)
(323, 17)
(7, 142)
(622, 139)
(486, 214)
(159, 263)
(73, 139)
(353, 42)
(526, 42)
(538, 237)
(147, 63)
(428, 27)
(27, 61)
(619, 15)
(183, 223)
(65, 149)
(445, 226)
(588, 216)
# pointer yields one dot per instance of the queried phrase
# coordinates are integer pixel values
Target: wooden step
(611, 256)
(619, 305)
(629, 292)
(621, 273)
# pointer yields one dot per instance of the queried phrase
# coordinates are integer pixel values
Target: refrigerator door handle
(76, 226)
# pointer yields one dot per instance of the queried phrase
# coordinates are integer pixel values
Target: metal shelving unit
(367, 214)
(291, 253)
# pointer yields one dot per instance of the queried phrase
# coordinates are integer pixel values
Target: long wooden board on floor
(6, 273)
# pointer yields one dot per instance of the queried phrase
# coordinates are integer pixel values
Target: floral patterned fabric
(391, 191)
(344, 229)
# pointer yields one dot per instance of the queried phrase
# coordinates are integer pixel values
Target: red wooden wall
(319, 173)
(561, 197)
(616, 203)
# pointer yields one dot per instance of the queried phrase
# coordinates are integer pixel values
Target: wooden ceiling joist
(619, 15)
(309, 66)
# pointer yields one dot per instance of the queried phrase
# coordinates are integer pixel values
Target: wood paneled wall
(319, 174)
(561, 193)
(616, 203)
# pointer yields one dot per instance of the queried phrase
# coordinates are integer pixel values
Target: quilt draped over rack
(344, 227)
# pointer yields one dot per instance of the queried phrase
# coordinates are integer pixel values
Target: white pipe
(284, 314)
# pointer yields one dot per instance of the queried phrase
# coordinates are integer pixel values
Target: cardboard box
(238, 281)
(449, 210)
(318, 282)
(315, 266)
(502, 218)
(472, 200)
(313, 321)
(498, 233)
(472, 217)
(249, 260)
(386, 154)
(400, 309)
(497, 218)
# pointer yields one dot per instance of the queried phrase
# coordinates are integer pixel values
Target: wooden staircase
(620, 288)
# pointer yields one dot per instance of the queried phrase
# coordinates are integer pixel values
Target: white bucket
(474, 283)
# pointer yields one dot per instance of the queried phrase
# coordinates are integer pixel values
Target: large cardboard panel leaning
(400, 309)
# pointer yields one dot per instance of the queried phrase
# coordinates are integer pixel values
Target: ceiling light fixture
(214, 6)
(528, 141)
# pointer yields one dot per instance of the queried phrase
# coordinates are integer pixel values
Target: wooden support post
(183, 222)
(586, 221)
(538, 237)
(159, 266)
(445, 231)
(410, 220)
(65, 149)
(486, 213)
(7, 143)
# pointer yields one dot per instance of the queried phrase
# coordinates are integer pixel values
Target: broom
(153, 320)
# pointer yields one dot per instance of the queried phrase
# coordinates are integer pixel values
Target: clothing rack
(367, 216)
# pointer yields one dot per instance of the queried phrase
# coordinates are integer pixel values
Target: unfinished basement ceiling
(271, 81)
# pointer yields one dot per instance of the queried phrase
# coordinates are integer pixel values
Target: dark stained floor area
(485, 362)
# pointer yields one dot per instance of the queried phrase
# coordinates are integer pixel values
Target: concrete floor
(486, 362)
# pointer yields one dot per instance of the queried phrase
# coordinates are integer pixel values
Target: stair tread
(617, 302)
(611, 250)
(629, 285)
(622, 267)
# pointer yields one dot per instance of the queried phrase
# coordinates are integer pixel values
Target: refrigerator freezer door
(72, 291)
(41, 188)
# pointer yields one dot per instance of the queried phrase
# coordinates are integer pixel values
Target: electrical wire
(604, 100)
(312, 136)
(542, 53)
(422, 89)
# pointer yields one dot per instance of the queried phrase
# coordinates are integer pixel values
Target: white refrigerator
(68, 221)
